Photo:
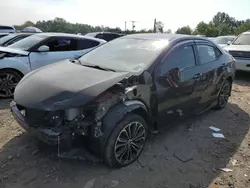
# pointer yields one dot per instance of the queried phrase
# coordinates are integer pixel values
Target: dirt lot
(23, 165)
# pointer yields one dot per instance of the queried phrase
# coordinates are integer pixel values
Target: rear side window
(182, 57)
(62, 44)
(207, 53)
(86, 43)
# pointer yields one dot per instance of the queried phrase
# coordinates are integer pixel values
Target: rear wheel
(126, 142)
(8, 82)
(224, 95)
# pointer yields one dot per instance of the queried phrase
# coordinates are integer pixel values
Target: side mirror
(43, 48)
(229, 42)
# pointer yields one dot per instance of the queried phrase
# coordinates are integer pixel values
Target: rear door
(60, 48)
(211, 68)
(175, 82)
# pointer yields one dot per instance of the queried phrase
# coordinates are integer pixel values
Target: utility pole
(125, 26)
(133, 25)
(154, 26)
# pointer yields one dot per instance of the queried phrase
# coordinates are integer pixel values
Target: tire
(118, 142)
(8, 81)
(224, 95)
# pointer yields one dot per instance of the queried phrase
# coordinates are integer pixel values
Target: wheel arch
(114, 116)
(14, 70)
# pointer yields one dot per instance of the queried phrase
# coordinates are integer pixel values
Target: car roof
(106, 32)
(163, 36)
(225, 36)
(69, 35)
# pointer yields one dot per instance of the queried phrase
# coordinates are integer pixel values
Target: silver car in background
(224, 40)
(240, 50)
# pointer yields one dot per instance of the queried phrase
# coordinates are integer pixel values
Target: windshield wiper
(98, 67)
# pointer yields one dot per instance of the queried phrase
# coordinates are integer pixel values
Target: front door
(60, 48)
(175, 80)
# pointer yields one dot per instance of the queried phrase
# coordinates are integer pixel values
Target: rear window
(6, 27)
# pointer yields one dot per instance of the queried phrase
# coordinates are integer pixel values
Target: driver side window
(59, 44)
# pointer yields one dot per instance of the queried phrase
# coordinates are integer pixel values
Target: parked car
(107, 36)
(240, 50)
(12, 38)
(36, 51)
(224, 40)
(7, 29)
(119, 92)
(3, 34)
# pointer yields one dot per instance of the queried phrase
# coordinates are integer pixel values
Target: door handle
(197, 76)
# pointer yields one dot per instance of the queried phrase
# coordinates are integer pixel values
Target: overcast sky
(113, 13)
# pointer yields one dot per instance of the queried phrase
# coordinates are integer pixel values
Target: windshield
(27, 43)
(6, 38)
(125, 54)
(223, 40)
(243, 39)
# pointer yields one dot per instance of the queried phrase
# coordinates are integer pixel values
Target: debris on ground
(35, 152)
(218, 135)
(234, 162)
(214, 128)
(226, 169)
(114, 183)
(90, 183)
(140, 163)
(183, 158)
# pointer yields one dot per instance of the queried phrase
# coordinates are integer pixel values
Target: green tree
(184, 30)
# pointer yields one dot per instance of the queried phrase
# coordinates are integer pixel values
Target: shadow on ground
(242, 78)
(22, 165)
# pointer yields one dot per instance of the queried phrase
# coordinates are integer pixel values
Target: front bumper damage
(50, 136)
(54, 137)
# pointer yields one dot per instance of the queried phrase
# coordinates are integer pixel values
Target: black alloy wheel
(8, 82)
(224, 95)
(126, 141)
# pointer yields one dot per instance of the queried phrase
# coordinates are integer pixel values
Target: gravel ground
(183, 156)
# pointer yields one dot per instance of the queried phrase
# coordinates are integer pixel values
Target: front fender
(110, 120)
(19, 63)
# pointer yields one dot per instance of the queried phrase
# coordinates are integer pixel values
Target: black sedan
(107, 36)
(121, 91)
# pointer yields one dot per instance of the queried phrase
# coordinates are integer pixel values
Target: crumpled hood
(241, 48)
(64, 85)
(14, 51)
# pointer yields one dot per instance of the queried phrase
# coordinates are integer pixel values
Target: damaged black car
(118, 93)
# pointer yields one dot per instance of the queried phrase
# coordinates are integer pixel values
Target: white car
(224, 40)
(240, 50)
(36, 51)
(7, 29)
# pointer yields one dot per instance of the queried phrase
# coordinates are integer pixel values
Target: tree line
(221, 24)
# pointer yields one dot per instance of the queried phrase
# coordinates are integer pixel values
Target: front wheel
(8, 82)
(224, 95)
(126, 142)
